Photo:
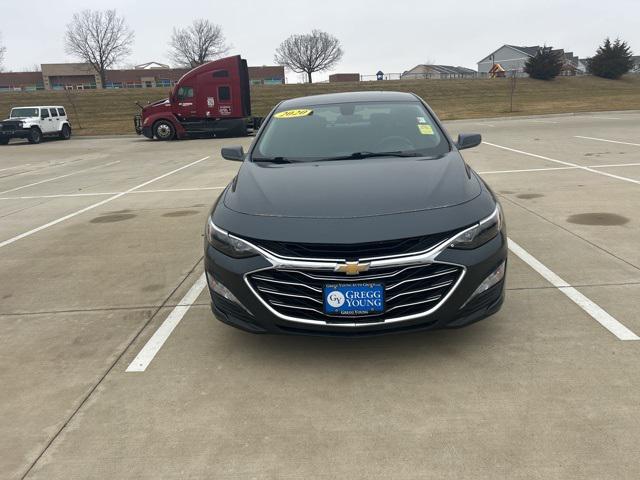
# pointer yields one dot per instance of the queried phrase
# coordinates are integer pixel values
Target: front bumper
(18, 133)
(456, 310)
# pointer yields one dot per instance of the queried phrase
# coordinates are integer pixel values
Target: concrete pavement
(540, 390)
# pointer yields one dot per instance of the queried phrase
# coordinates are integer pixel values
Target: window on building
(224, 93)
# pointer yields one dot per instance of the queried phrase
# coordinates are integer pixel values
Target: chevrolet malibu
(354, 214)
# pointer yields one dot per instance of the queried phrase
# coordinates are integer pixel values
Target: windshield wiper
(360, 155)
(271, 160)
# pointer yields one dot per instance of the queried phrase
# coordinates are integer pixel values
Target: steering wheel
(393, 143)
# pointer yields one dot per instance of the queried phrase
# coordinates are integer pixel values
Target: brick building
(81, 76)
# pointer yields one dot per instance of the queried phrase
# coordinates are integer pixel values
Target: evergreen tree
(545, 65)
(612, 60)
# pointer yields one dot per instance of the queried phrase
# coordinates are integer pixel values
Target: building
(267, 75)
(344, 77)
(512, 58)
(81, 76)
(438, 72)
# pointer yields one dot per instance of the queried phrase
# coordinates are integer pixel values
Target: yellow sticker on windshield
(303, 112)
(425, 129)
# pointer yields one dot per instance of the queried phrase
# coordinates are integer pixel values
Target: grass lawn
(95, 112)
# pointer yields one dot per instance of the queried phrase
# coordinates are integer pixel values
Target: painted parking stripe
(548, 169)
(57, 178)
(607, 140)
(561, 162)
(155, 343)
(96, 205)
(104, 194)
(590, 307)
(13, 168)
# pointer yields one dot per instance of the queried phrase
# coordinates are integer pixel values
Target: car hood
(19, 119)
(351, 188)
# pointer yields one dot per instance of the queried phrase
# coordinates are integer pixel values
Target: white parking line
(594, 310)
(101, 194)
(13, 168)
(588, 169)
(543, 121)
(526, 170)
(95, 205)
(58, 177)
(155, 343)
(606, 140)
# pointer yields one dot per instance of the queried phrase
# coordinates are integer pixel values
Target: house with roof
(512, 58)
(438, 72)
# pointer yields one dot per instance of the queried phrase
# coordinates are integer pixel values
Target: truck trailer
(213, 99)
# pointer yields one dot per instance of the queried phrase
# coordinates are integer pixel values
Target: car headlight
(480, 233)
(20, 124)
(226, 243)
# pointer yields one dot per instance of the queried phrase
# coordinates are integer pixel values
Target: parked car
(35, 123)
(352, 214)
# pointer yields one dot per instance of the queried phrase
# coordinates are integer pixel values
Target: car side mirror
(233, 153)
(468, 140)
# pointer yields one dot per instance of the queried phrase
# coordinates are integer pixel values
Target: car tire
(35, 135)
(4, 141)
(163, 130)
(65, 133)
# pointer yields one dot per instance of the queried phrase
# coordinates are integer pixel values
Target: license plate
(352, 299)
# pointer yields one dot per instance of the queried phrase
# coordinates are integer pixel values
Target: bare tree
(197, 44)
(309, 53)
(100, 38)
(3, 49)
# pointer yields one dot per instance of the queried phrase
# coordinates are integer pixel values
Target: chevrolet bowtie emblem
(352, 268)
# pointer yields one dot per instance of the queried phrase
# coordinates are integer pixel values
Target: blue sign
(352, 299)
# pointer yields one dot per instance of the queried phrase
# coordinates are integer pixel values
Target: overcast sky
(391, 35)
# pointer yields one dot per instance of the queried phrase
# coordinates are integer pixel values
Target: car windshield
(350, 131)
(24, 112)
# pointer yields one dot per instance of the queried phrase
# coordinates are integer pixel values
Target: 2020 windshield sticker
(302, 112)
(425, 129)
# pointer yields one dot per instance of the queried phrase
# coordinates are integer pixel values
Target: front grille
(354, 251)
(409, 290)
(10, 125)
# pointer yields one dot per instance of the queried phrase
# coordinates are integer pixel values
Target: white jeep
(35, 123)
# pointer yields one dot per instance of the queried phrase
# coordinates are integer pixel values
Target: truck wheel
(35, 135)
(163, 130)
(65, 133)
(4, 141)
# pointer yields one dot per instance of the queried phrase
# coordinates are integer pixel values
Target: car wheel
(4, 141)
(65, 133)
(163, 130)
(35, 135)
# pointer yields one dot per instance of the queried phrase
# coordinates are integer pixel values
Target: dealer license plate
(352, 299)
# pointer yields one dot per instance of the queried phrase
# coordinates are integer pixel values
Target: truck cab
(35, 123)
(211, 100)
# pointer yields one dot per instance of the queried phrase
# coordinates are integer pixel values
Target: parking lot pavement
(101, 239)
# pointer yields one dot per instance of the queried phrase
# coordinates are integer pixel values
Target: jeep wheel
(4, 141)
(163, 130)
(65, 133)
(35, 135)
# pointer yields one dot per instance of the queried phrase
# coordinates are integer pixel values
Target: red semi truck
(213, 99)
